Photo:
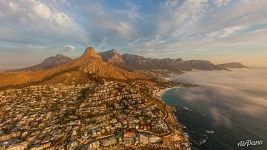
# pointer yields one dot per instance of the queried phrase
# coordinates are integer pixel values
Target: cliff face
(135, 62)
(139, 62)
(112, 56)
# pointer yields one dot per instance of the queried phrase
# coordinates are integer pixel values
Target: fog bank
(227, 93)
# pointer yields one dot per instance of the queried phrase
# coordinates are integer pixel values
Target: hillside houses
(87, 115)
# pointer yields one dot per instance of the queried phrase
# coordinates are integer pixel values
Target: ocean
(228, 108)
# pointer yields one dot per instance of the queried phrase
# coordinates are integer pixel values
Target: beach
(161, 91)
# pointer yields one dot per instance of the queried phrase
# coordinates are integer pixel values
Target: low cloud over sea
(233, 104)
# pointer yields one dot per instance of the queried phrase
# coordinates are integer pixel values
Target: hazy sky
(215, 30)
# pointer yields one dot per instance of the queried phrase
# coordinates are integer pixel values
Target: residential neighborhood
(89, 116)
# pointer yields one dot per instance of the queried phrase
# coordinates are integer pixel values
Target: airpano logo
(248, 143)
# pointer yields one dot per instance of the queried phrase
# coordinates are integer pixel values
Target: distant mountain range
(232, 65)
(90, 66)
(135, 62)
(109, 65)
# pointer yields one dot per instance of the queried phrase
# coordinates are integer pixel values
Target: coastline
(161, 91)
(177, 127)
(199, 126)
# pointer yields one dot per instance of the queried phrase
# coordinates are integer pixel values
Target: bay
(227, 107)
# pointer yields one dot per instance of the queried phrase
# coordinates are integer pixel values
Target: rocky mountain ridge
(85, 68)
(136, 62)
(108, 65)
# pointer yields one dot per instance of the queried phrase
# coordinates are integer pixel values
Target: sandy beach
(160, 92)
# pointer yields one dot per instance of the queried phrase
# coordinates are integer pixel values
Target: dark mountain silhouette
(232, 65)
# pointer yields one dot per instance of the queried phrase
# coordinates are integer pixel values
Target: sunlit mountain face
(124, 74)
(216, 30)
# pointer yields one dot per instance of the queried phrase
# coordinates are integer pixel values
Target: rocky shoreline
(176, 127)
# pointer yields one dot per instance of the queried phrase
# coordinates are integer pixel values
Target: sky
(216, 30)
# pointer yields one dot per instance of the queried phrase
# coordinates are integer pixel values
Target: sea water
(226, 110)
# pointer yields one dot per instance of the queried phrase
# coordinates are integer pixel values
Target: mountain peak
(111, 52)
(88, 67)
(59, 55)
(48, 62)
(90, 52)
(114, 51)
(111, 56)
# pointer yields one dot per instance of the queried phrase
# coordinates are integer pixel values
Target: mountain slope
(88, 65)
(48, 63)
